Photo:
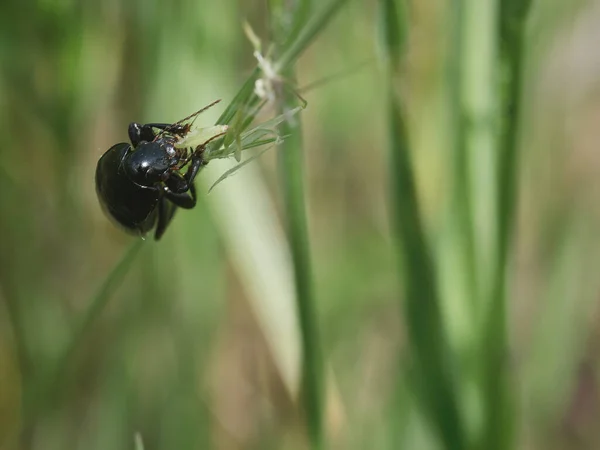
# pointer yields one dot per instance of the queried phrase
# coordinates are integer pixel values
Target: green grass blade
(292, 174)
(286, 27)
(461, 200)
(512, 30)
(97, 306)
(311, 30)
(425, 327)
(392, 35)
(301, 15)
(49, 388)
(291, 166)
(291, 161)
(498, 432)
(421, 303)
(244, 99)
(237, 167)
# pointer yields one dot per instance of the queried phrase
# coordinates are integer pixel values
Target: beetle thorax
(151, 162)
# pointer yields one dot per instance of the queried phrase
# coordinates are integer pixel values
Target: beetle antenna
(208, 141)
(194, 116)
(197, 112)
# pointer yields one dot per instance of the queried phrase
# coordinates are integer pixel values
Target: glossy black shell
(130, 205)
(150, 163)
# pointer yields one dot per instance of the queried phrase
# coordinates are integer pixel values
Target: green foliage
(446, 297)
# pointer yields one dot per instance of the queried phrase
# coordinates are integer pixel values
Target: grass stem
(291, 165)
(292, 175)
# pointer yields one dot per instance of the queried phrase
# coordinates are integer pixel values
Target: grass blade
(49, 388)
(425, 328)
(245, 98)
(421, 303)
(291, 168)
(512, 30)
(313, 27)
(97, 306)
(237, 167)
(292, 174)
(498, 424)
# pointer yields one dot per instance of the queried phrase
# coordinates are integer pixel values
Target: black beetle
(139, 185)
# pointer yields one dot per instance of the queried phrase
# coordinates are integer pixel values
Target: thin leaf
(243, 99)
(234, 169)
(98, 304)
(293, 50)
(391, 34)
(49, 389)
(421, 303)
(292, 181)
(430, 353)
(249, 139)
(512, 36)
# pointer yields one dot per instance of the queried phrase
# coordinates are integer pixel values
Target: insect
(140, 185)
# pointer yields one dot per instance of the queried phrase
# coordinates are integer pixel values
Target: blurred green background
(198, 346)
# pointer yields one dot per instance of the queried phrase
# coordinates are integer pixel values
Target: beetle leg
(186, 200)
(166, 211)
(196, 157)
(138, 132)
(194, 168)
(177, 183)
(176, 192)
